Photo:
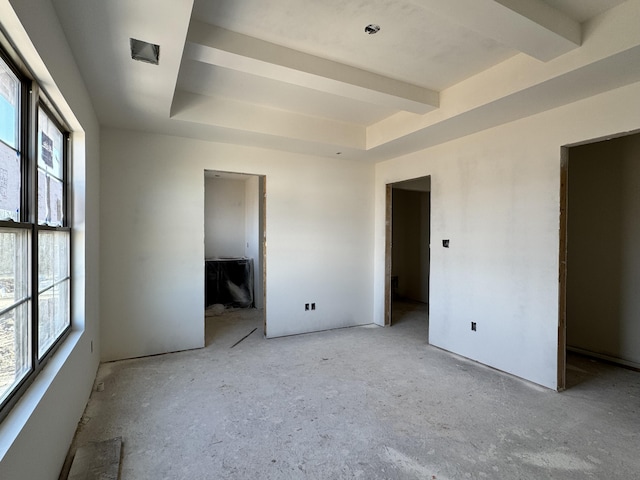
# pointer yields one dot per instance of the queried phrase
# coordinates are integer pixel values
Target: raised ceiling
(303, 76)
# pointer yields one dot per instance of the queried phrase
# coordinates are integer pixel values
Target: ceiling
(303, 76)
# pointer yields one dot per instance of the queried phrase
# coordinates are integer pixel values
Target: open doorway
(234, 263)
(599, 256)
(407, 253)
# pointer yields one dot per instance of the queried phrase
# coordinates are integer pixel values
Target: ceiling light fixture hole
(372, 29)
(144, 51)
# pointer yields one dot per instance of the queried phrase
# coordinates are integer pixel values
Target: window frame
(32, 100)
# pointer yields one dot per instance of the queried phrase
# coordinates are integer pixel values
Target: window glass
(49, 145)
(53, 315)
(50, 171)
(14, 267)
(53, 257)
(53, 296)
(50, 200)
(10, 181)
(9, 105)
(15, 352)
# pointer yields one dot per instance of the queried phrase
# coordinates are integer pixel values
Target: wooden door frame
(387, 254)
(262, 232)
(562, 274)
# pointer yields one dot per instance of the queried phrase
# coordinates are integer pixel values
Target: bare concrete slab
(366, 403)
(97, 461)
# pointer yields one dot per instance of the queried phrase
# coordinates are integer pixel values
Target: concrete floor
(365, 402)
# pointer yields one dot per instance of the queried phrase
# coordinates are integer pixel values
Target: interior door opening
(408, 250)
(234, 263)
(599, 254)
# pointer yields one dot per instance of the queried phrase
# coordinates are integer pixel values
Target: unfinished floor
(364, 402)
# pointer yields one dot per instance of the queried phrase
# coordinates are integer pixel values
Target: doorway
(235, 254)
(407, 250)
(600, 253)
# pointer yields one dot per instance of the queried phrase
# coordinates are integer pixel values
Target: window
(35, 240)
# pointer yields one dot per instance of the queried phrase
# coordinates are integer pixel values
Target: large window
(35, 281)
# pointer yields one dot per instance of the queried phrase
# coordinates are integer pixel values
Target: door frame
(564, 249)
(562, 274)
(262, 232)
(388, 245)
(388, 236)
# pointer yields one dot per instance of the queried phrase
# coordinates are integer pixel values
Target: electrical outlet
(473, 326)
(313, 306)
(306, 307)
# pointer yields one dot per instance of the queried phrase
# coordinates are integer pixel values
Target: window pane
(53, 258)
(50, 200)
(50, 171)
(14, 266)
(9, 105)
(50, 146)
(10, 181)
(15, 352)
(53, 315)
(53, 299)
(43, 195)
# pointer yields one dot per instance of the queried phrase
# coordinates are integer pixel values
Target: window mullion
(66, 219)
(31, 207)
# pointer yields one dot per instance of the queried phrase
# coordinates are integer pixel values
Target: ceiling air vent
(144, 51)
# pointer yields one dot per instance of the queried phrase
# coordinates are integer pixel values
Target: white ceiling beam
(241, 116)
(217, 46)
(530, 26)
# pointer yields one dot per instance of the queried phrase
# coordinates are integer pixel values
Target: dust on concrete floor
(365, 402)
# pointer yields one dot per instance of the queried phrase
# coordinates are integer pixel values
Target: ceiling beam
(530, 26)
(217, 46)
(241, 116)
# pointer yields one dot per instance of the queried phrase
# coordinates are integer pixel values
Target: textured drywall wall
(35, 436)
(603, 262)
(319, 227)
(495, 196)
(224, 217)
(253, 247)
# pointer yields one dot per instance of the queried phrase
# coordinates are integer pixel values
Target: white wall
(36, 435)
(319, 237)
(495, 195)
(224, 215)
(253, 246)
(603, 306)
